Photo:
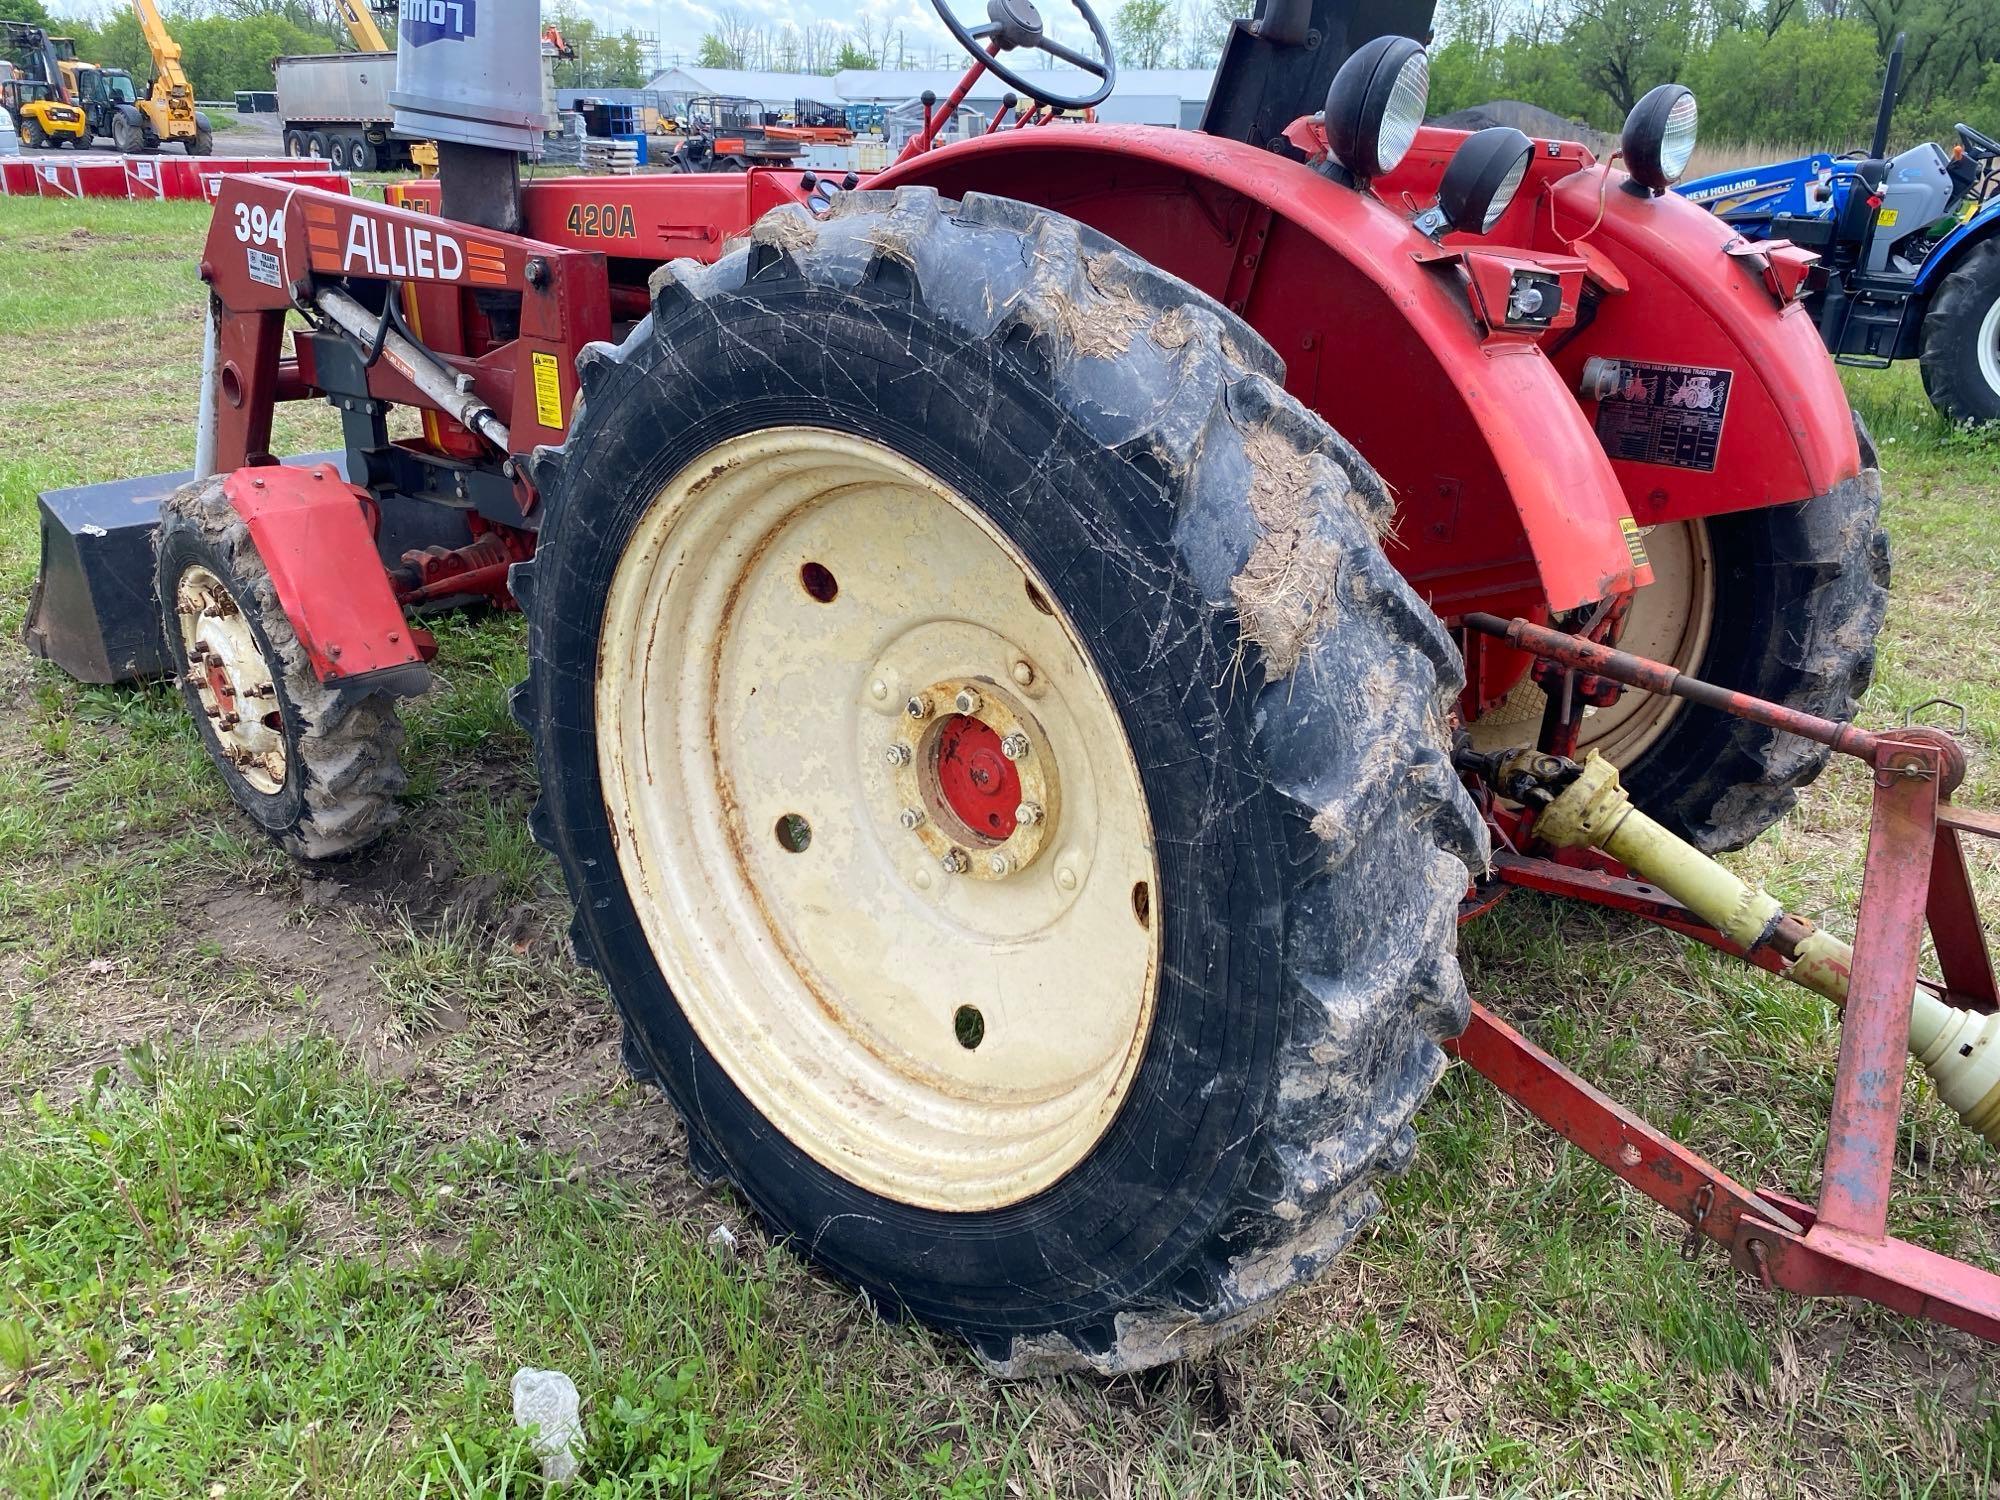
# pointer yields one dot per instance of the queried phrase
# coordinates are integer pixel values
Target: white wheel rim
(231, 678)
(1989, 346)
(736, 690)
(1671, 620)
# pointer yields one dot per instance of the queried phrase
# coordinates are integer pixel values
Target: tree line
(1804, 72)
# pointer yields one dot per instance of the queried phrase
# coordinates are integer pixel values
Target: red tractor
(1029, 657)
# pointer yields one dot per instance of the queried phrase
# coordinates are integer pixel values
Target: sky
(681, 23)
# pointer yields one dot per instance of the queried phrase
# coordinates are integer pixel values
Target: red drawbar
(312, 530)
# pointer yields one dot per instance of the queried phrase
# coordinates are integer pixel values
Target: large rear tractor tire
(1961, 339)
(315, 767)
(1783, 602)
(1001, 779)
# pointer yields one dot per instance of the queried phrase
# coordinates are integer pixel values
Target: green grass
(296, 1170)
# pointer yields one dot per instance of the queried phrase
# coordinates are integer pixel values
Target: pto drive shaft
(1958, 1048)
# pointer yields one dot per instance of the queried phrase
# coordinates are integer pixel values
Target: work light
(1659, 137)
(1480, 183)
(1375, 104)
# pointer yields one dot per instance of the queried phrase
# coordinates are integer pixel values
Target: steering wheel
(1016, 23)
(1977, 143)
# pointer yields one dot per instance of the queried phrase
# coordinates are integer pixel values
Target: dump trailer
(336, 105)
(1031, 660)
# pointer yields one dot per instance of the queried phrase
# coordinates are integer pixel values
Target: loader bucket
(93, 611)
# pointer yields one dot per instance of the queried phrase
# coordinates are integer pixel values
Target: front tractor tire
(316, 767)
(1000, 777)
(1961, 339)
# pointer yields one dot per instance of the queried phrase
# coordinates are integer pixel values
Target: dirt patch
(330, 964)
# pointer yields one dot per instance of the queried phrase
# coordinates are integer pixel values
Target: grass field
(296, 1169)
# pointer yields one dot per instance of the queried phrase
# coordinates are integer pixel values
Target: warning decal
(1633, 544)
(548, 390)
(1664, 414)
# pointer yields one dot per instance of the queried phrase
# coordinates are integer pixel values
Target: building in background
(1143, 96)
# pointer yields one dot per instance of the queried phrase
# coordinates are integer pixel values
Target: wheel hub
(230, 676)
(977, 782)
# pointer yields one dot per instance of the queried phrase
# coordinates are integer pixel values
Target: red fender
(1505, 499)
(1673, 294)
(316, 537)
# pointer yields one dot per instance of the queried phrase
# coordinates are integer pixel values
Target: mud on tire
(1283, 691)
(341, 747)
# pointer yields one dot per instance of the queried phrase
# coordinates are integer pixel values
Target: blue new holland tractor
(1909, 248)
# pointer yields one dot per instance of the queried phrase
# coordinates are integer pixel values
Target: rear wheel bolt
(918, 707)
(968, 701)
(911, 817)
(897, 755)
(1014, 746)
(1028, 814)
(954, 862)
(999, 863)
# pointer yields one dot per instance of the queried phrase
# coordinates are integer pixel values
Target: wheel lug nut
(954, 862)
(1014, 746)
(1000, 863)
(918, 707)
(911, 817)
(1028, 814)
(968, 701)
(897, 755)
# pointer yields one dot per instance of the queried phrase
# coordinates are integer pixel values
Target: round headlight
(1659, 136)
(1376, 103)
(1483, 177)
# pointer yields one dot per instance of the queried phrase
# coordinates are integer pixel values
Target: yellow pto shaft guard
(1960, 1049)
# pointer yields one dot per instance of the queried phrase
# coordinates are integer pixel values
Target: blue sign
(426, 21)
